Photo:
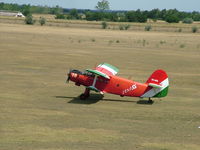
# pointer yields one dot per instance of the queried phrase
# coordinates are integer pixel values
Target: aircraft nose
(73, 75)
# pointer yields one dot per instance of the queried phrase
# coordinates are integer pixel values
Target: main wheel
(83, 96)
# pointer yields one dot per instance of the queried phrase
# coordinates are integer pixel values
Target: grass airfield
(39, 111)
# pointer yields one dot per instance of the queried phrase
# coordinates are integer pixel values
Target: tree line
(29, 9)
(170, 16)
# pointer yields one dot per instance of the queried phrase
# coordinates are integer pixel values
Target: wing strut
(95, 80)
(93, 84)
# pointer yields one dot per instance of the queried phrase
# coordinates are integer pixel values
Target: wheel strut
(150, 101)
(85, 95)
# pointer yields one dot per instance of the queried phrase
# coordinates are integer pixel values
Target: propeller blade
(68, 76)
(67, 81)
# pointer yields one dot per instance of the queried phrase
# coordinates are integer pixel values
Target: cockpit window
(88, 74)
(76, 71)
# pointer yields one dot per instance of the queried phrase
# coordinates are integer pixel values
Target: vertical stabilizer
(158, 84)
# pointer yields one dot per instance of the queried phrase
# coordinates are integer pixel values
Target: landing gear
(85, 95)
(150, 101)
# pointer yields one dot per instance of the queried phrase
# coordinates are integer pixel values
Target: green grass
(38, 110)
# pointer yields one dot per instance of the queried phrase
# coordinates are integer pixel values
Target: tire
(150, 101)
(83, 96)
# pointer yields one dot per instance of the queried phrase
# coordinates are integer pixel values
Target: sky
(181, 5)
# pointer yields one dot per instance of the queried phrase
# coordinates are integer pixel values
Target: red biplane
(103, 79)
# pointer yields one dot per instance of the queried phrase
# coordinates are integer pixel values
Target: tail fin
(158, 84)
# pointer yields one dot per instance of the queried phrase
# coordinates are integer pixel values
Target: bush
(117, 41)
(29, 20)
(147, 28)
(124, 27)
(104, 25)
(182, 46)
(60, 16)
(121, 27)
(179, 30)
(194, 29)
(42, 21)
(188, 20)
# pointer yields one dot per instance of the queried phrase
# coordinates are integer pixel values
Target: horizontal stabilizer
(155, 85)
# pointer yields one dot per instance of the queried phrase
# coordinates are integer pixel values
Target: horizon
(114, 6)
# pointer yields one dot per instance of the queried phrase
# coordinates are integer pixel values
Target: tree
(140, 16)
(172, 19)
(196, 16)
(131, 17)
(56, 10)
(26, 10)
(103, 5)
(73, 14)
(97, 16)
(154, 14)
(136, 16)
(60, 16)
(121, 17)
(172, 16)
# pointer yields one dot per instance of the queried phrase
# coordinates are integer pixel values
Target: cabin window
(88, 74)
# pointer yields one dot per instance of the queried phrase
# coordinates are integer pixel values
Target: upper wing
(105, 70)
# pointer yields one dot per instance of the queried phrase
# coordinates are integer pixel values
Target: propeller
(72, 71)
(68, 75)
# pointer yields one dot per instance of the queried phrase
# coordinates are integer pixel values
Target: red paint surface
(118, 85)
(114, 85)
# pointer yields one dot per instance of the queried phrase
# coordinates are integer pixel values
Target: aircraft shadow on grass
(94, 98)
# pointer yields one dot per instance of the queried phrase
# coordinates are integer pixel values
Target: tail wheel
(150, 101)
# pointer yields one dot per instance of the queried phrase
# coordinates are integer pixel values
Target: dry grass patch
(38, 110)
